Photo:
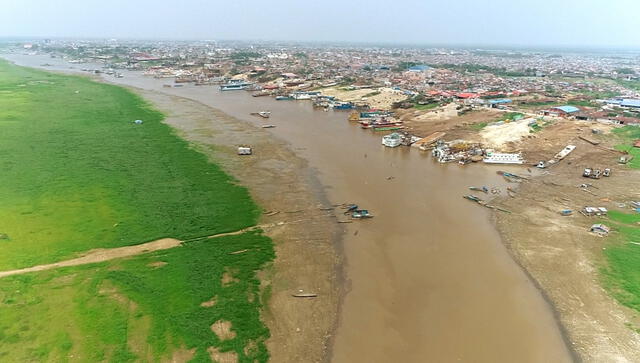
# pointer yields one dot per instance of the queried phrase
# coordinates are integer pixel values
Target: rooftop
(567, 109)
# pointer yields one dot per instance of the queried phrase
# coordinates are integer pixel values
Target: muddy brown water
(428, 279)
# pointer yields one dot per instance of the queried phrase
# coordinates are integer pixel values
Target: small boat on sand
(263, 114)
(472, 198)
(361, 214)
(268, 126)
(304, 295)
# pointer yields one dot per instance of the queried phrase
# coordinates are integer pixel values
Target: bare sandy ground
(303, 227)
(376, 97)
(560, 254)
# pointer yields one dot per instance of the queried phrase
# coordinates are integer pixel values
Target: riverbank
(306, 235)
(86, 185)
(429, 272)
(567, 261)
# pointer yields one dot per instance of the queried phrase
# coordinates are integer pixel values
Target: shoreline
(227, 160)
(338, 242)
(592, 321)
(557, 315)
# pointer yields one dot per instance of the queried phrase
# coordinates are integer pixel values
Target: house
(561, 111)
(495, 103)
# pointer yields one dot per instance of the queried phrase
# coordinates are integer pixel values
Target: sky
(556, 23)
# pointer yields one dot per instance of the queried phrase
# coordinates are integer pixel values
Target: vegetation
(633, 85)
(627, 135)
(509, 116)
(142, 308)
(581, 103)
(476, 68)
(427, 106)
(479, 126)
(621, 275)
(79, 174)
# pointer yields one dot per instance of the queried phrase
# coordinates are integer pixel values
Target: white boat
(235, 84)
(392, 140)
(301, 96)
(503, 158)
(564, 152)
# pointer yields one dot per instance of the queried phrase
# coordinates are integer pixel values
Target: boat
(472, 198)
(234, 85)
(305, 295)
(301, 96)
(283, 98)
(387, 128)
(263, 114)
(483, 189)
(360, 214)
(268, 126)
(502, 158)
(392, 140)
(354, 116)
(343, 106)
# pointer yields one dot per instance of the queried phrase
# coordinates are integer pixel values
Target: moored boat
(235, 85)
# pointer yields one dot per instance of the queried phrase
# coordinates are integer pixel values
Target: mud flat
(305, 232)
(428, 279)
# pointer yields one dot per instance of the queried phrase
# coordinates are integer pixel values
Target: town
(550, 139)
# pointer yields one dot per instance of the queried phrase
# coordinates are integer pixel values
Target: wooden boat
(472, 198)
(263, 114)
(387, 128)
(305, 295)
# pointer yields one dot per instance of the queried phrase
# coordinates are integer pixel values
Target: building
(561, 111)
(624, 102)
(495, 103)
(419, 68)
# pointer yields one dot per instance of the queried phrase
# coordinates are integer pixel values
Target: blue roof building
(628, 102)
(566, 109)
(624, 102)
(499, 101)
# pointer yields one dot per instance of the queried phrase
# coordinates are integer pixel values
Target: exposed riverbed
(428, 279)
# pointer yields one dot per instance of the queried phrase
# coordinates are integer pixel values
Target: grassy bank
(79, 174)
(144, 308)
(622, 275)
(628, 134)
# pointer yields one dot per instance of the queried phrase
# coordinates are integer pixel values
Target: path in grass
(79, 175)
(107, 254)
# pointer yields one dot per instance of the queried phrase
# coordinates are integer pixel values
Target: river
(428, 279)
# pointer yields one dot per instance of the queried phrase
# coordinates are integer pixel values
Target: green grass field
(622, 275)
(78, 174)
(136, 309)
(428, 106)
(628, 134)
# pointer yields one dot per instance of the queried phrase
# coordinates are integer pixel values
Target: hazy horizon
(547, 24)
